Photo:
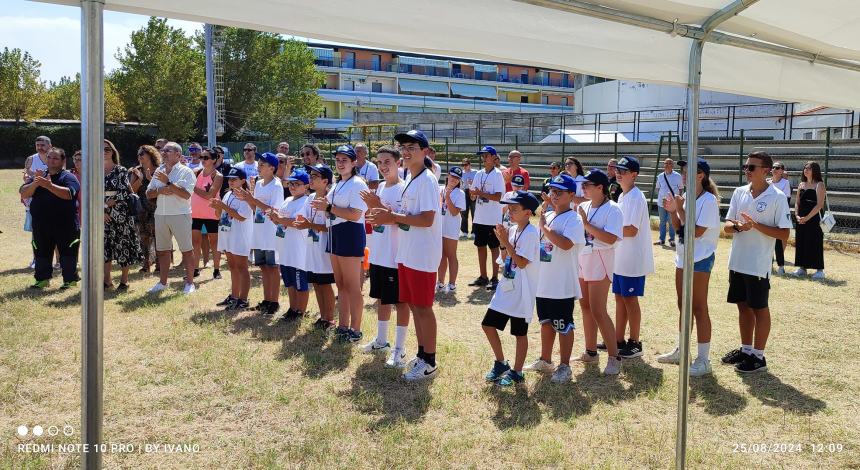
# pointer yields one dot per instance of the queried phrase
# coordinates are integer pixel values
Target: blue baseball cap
(346, 150)
(525, 199)
(563, 182)
(413, 136)
(597, 176)
(456, 171)
(321, 168)
(629, 163)
(299, 175)
(270, 158)
(518, 180)
(236, 172)
(701, 163)
(487, 149)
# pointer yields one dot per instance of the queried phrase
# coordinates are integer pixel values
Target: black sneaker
(601, 346)
(354, 336)
(216, 274)
(321, 324)
(271, 309)
(481, 281)
(238, 304)
(735, 356)
(751, 364)
(341, 334)
(229, 300)
(630, 349)
(292, 315)
(196, 272)
(494, 282)
(262, 306)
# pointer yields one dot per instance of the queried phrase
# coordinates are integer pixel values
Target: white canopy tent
(792, 50)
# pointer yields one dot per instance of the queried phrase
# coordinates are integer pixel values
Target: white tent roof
(513, 31)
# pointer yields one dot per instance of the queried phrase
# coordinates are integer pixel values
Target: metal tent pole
(210, 86)
(92, 233)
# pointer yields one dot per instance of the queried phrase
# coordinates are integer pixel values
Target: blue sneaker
(511, 377)
(341, 334)
(499, 369)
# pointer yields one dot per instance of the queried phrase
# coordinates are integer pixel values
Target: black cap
(525, 199)
(413, 136)
(236, 172)
(629, 163)
(323, 169)
(597, 176)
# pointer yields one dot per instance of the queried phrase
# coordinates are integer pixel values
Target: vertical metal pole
(447, 157)
(827, 155)
(615, 147)
(785, 122)
(516, 141)
(741, 159)
(563, 136)
(657, 167)
(92, 233)
(210, 86)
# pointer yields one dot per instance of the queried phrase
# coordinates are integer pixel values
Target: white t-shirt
(634, 256)
(420, 248)
(171, 204)
(607, 217)
(347, 193)
(234, 236)
(675, 183)
(708, 216)
(251, 169)
(437, 170)
(559, 268)
(272, 195)
(36, 164)
(317, 261)
(488, 212)
(752, 251)
(783, 185)
(383, 240)
(450, 222)
(369, 172)
(516, 297)
(193, 165)
(290, 241)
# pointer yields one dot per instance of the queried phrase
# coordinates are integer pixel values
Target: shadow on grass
(771, 391)
(380, 391)
(643, 379)
(265, 328)
(28, 294)
(515, 408)
(716, 399)
(479, 296)
(320, 354)
(129, 303)
(213, 316)
(446, 300)
(563, 401)
(14, 271)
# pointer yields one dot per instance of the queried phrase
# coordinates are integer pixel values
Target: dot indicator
(37, 430)
(22, 430)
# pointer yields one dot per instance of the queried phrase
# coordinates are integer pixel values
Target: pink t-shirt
(200, 206)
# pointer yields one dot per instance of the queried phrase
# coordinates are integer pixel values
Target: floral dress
(122, 243)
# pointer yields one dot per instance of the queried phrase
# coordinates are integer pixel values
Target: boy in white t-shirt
(453, 202)
(518, 183)
(383, 242)
(291, 244)
(487, 190)
(514, 299)
(562, 235)
(634, 258)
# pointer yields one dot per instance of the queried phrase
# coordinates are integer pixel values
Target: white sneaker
(57, 266)
(562, 374)
(613, 366)
(471, 236)
(396, 360)
(421, 371)
(780, 270)
(412, 363)
(818, 274)
(539, 365)
(158, 287)
(190, 288)
(700, 367)
(452, 288)
(375, 348)
(32, 265)
(440, 287)
(673, 357)
(799, 272)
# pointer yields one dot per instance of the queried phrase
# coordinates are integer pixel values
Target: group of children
(573, 244)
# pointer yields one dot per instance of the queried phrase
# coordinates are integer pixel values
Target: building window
(376, 62)
(544, 99)
(349, 60)
(564, 101)
(376, 87)
(524, 99)
(524, 76)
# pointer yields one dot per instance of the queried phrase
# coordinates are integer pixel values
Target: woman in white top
(347, 240)
(453, 201)
(707, 232)
(602, 219)
(783, 184)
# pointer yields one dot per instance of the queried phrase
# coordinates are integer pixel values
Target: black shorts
(556, 312)
(325, 278)
(384, 285)
(210, 224)
(485, 235)
(498, 320)
(752, 290)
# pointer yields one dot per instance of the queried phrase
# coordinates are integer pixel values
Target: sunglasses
(194, 149)
(621, 171)
(204, 158)
(108, 149)
(777, 168)
(751, 168)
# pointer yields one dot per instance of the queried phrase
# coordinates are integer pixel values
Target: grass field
(255, 394)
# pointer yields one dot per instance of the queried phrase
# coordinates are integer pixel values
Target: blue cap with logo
(413, 136)
(456, 171)
(518, 180)
(270, 158)
(487, 149)
(346, 150)
(321, 168)
(524, 198)
(629, 163)
(597, 176)
(701, 163)
(299, 175)
(236, 172)
(564, 183)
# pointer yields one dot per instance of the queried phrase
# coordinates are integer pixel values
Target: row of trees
(270, 84)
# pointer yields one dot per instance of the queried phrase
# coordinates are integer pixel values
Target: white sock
(400, 337)
(381, 332)
(759, 353)
(746, 348)
(704, 351)
(678, 344)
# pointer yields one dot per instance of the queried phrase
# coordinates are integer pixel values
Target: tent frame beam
(695, 33)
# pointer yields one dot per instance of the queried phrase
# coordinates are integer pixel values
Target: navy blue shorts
(320, 279)
(704, 265)
(295, 278)
(628, 286)
(264, 257)
(347, 239)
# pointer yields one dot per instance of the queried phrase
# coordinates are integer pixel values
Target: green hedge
(16, 142)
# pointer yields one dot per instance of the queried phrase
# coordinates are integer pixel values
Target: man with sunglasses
(758, 216)
(194, 150)
(249, 165)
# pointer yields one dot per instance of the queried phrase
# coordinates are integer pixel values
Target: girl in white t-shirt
(347, 239)
(602, 219)
(291, 246)
(234, 238)
(317, 261)
(707, 232)
(453, 201)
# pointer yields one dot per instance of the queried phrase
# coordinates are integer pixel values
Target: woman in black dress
(809, 250)
(139, 178)
(122, 243)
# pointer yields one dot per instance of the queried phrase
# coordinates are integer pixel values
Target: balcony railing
(431, 71)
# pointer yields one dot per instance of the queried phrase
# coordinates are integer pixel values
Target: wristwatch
(736, 226)
(328, 208)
